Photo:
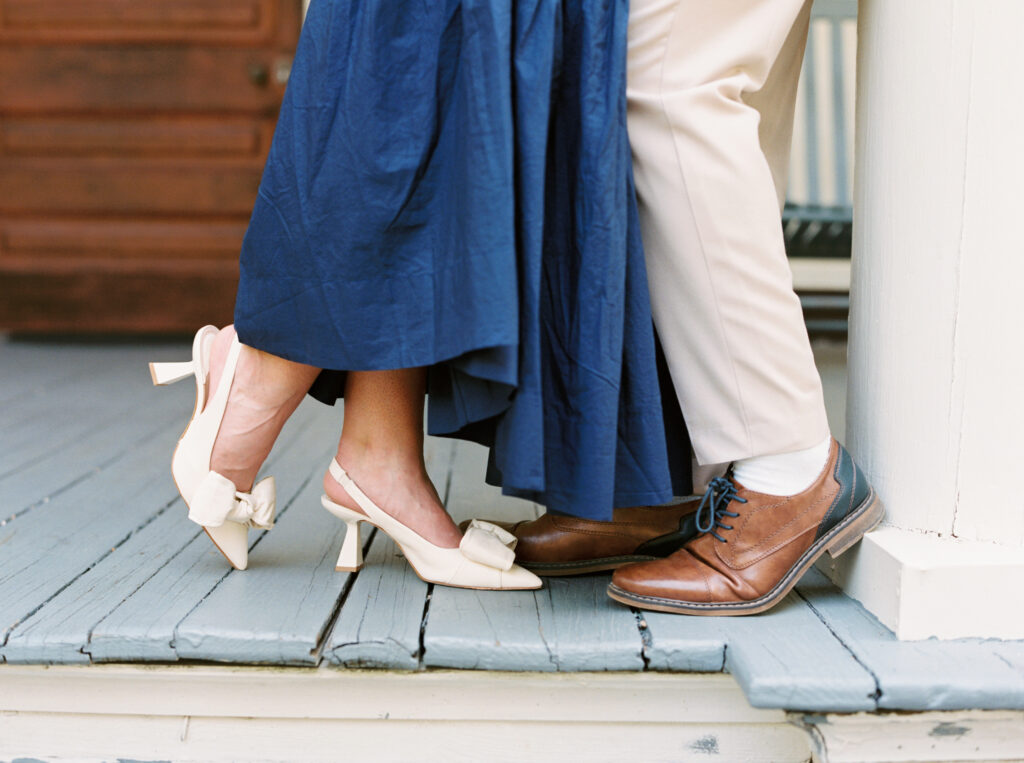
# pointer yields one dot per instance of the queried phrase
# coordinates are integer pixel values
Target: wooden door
(132, 139)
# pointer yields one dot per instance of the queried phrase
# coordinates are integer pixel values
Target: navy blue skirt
(450, 186)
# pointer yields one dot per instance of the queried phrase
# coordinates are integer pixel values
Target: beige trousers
(711, 89)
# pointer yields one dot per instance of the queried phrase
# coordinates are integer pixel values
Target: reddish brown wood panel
(128, 187)
(178, 241)
(110, 299)
(132, 140)
(214, 21)
(151, 78)
(130, 137)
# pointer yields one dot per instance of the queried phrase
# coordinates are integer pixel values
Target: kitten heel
(351, 557)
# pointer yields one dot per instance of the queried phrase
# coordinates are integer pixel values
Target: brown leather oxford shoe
(754, 546)
(555, 545)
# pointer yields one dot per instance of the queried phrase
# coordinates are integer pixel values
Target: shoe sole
(835, 542)
(583, 567)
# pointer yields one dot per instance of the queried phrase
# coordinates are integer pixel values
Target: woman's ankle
(380, 454)
(395, 479)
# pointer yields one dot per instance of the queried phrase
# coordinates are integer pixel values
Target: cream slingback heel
(484, 559)
(213, 502)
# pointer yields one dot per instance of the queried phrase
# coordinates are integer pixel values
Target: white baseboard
(102, 713)
(973, 735)
(89, 714)
(922, 586)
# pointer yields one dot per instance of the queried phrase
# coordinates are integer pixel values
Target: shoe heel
(168, 373)
(351, 557)
(866, 523)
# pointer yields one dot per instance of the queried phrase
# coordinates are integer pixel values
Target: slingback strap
(214, 410)
(483, 542)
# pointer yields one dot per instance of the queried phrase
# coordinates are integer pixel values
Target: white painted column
(935, 411)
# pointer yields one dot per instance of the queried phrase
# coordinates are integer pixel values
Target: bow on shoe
(488, 544)
(216, 501)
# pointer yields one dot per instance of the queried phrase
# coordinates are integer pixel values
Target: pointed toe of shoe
(232, 539)
(518, 578)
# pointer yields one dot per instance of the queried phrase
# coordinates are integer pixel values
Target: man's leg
(708, 173)
(721, 289)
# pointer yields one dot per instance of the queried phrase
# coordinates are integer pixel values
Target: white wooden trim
(207, 690)
(934, 414)
(212, 713)
(222, 713)
(922, 585)
(972, 735)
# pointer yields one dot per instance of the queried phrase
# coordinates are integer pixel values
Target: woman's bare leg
(381, 448)
(381, 444)
(266, 391)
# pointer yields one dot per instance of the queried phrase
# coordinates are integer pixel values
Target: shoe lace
(714, 506)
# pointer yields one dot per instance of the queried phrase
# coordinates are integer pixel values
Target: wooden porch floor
(99, 564)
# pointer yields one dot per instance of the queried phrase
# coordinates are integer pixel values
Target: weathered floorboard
(33, 399)
(279, 608)
(379, 624)
(108, 426)
(80, 405)
(483, 629)
(59, 630)
(143, 627)
(30, 370)
(783, 658)
(50, 546)
(588, 630)
(685, 644)
(101, 563)
(921, 675)
(569, 625)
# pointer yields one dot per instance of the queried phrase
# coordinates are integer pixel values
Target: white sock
(784, 473)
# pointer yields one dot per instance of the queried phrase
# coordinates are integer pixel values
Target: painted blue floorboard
(50, 546)
(486, 630)
(33, 371)
(379, 625)
(101, 563)
(142, 627)
(684, 644)
(278, 610)
(59, 632)
(783, 658)
(568, 625)
(90, 410)
(589, 631)
(60, 461)
(922, 675)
